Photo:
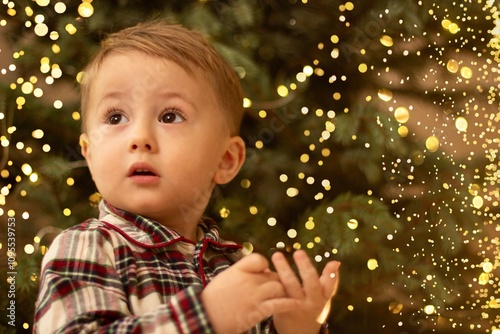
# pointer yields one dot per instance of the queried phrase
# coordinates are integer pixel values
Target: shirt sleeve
(80, 291)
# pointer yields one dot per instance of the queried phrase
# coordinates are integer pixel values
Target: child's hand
(314, 295)
(244, 295)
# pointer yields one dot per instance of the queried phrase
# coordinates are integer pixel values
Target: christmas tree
(371, 132)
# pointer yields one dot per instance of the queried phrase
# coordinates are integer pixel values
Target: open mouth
(143, 172)
(142, 169)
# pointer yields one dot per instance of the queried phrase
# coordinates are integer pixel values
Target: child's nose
(143, 140)
(147, 147)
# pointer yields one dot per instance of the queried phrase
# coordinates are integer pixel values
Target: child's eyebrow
(118, 95)
(177, 95)
(113, 95)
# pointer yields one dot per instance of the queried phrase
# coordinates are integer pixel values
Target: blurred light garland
(477, 135)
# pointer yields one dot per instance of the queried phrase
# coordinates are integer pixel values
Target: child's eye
(114, 118)
(171, 116)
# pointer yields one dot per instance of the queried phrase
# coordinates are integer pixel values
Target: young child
(160, 120)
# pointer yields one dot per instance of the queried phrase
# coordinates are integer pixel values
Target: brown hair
(187, 48)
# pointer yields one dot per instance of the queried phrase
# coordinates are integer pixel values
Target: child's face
(156, 141)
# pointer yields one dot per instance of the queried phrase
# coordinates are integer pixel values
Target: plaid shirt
(124, 273)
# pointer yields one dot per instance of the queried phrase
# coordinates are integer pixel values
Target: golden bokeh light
(85, 9)
(402, 114)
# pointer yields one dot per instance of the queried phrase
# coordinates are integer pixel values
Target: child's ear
(84, 144)
(231, 161)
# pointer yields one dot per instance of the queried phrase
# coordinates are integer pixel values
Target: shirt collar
(151, 234)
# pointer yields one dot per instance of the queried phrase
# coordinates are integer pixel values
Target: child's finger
(329, 279)
(287, 277)
(270, 290)
(264, 310)
(253, 263)
(280, 305)
(309, 274)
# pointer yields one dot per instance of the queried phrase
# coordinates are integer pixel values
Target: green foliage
(343, 222)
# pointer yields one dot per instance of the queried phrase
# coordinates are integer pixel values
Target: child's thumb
(253, 263)
(330, 279)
